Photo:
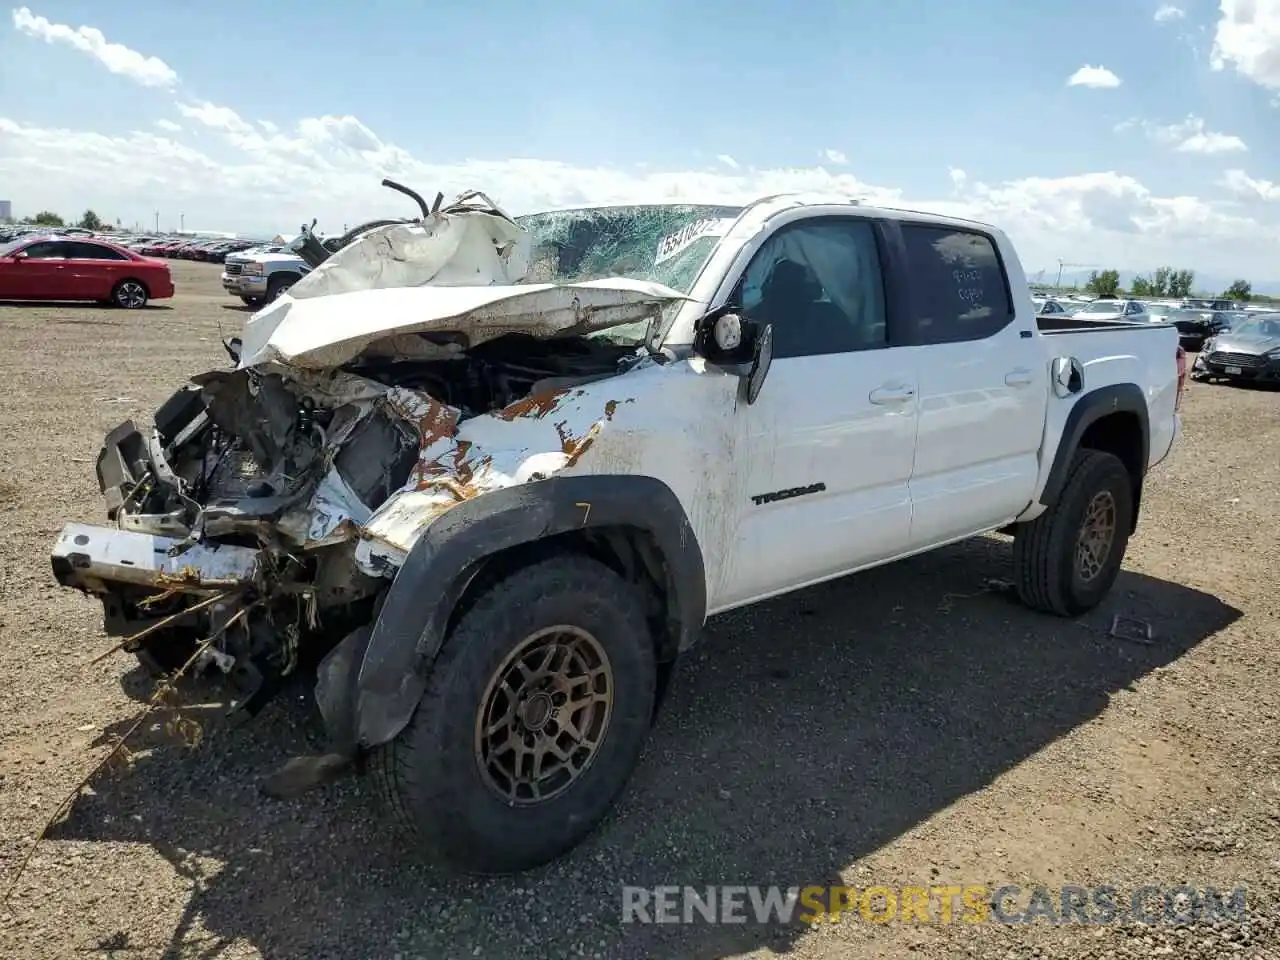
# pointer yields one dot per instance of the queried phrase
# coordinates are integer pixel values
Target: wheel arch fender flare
(370, 685)
(1126, 398)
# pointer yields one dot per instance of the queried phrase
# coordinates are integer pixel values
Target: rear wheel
(1067, 559)
(130, 294)
(535, 715)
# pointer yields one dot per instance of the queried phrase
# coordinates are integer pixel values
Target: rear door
(827, 448)
(983, 383)
(93, 269)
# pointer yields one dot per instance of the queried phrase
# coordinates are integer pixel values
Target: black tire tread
(394, 766)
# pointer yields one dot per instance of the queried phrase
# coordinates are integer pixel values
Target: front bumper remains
(245, 285)
(91, 558)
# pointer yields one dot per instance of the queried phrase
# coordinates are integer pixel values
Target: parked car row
(1235, 342)
(204, 250)
(169, 246)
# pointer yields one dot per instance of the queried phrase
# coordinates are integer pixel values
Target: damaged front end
(270, 506)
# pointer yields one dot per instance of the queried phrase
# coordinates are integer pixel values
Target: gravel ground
(907, 726)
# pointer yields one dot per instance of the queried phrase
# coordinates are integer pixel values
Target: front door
(828, 445)
(38, 275)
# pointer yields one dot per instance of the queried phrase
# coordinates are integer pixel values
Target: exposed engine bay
(238, 463)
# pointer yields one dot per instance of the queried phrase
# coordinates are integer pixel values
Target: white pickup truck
(498, 472)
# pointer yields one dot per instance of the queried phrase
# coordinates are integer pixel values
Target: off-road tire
(430, 775)
(1046, 569)
(278, 285)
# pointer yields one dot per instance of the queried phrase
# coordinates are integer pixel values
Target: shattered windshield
(665, 243)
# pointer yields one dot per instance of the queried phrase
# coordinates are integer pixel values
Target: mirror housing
(233, 347)
(730, 342)
(21, 255)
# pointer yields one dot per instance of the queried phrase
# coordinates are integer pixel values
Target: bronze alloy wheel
(1097, 533)
(544, 715)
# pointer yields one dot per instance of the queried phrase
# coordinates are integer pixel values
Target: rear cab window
(956, 284)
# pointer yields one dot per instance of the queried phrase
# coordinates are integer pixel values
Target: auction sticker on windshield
(673, 243)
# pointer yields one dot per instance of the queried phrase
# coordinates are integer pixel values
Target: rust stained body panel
(535, 405)
(515, 445)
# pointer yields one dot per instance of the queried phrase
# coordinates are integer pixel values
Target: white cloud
(1169, 12)
(211, 115)
(1248, 39)
(1187, 136)
(724, 158)
(256, 179)
(148, 71)
(268, 126)
(836, 157)
(1238, 182)
(169, 125)
(1099, 78)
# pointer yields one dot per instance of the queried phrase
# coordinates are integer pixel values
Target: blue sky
(550, 103)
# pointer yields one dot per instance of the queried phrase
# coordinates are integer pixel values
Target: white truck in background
(523, 477)
(260, 275)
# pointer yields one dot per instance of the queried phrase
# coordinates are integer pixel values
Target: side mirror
(1067, 376)
(232, 347)
(21, 255)
(736, 345)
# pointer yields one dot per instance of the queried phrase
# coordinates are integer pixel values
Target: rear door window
(80, 250)
(958, 288)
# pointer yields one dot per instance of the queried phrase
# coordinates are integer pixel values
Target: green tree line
(1164, 282)
(47, 218)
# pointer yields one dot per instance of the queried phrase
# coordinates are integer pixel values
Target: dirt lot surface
(907, 726)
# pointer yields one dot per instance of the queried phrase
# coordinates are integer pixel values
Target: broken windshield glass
(664, 243)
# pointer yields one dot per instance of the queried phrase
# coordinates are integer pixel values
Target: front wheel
(534, 717)
(1067, 559)
(278, 286)
(129, 294)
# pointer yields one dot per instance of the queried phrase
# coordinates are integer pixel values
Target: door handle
(1018, 378)
(892, 395)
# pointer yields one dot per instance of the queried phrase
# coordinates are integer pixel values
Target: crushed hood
(325, 332)
(457, 273)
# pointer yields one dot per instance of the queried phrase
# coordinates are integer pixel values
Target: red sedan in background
(72, 268)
